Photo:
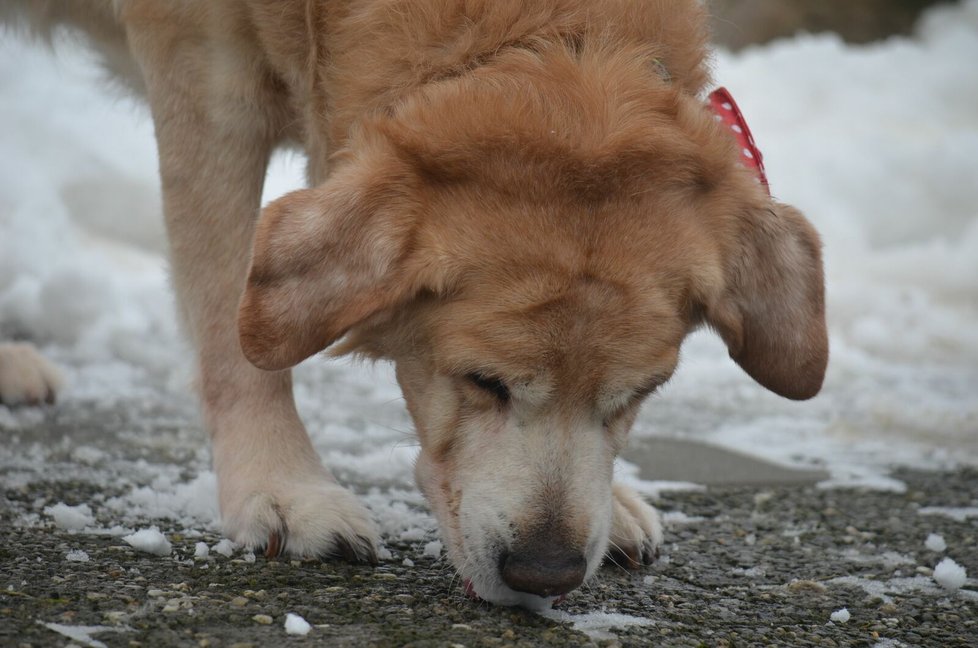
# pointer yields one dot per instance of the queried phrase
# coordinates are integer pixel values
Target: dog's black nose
(550, 571)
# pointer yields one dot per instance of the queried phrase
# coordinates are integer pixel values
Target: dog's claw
(650, 553)
(360, 550)
(275, 546)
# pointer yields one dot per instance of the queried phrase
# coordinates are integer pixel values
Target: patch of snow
(840, 616)
(296, 625)
(627, 473)
(433, 549)
(224, 547)
(201, 550)
(752, 572)
(71, 518)
(413, 535)
(87, 455)
(889, 559)
(77, 555)
(597, 625)
(149, 541)
(956, 513)
(407, 562)
(677, 518)
(899, 586)
(935, 542)
(950, 575)
(81, 633)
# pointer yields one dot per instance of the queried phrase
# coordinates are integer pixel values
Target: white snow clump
(71, 518)
(150, 541)
(935, 542)
(950, 575)
(296, 625)
(841, 616)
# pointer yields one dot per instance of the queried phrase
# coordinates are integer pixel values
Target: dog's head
(531, 256)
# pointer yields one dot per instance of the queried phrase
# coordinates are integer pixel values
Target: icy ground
(877, 145)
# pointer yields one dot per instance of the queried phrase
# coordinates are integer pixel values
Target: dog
(524, 205)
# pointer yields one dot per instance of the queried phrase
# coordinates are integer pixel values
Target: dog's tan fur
(526, 193)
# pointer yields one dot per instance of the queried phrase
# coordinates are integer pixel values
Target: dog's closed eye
(490, 385)
(629, 401)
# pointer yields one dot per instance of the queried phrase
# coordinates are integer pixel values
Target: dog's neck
(374, 55)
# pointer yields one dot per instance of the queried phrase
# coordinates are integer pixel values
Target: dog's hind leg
(214, 111)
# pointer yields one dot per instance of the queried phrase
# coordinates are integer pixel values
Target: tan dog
(524, 204)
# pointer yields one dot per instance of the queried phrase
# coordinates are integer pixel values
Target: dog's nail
(633, 558)
(49, 398)
(470, 590)
(357, 551)
(650, 553)
(275, 545)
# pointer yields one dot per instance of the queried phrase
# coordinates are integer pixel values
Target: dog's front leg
(636, 529)
(215, 128)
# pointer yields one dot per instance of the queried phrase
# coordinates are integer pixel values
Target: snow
(225, 547)
(80, 633)
(77, 555)
(883, 168)
(678, 518)
(201, 550)
(597, 625)
(950, 575)
(935, 542)
(881, 589)
(149, 541)
(840, 616)
(296, 625)
(71, 518)
(433, 549)
(957, 513)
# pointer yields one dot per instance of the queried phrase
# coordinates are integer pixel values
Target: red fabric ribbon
(727, 112)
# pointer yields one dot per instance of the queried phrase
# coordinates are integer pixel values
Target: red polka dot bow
(727, 112)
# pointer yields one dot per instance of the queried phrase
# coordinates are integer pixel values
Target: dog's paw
(636, 529)
(26, 378)
(313, 518)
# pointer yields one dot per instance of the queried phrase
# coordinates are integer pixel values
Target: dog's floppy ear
(771, 311)
(324, 260)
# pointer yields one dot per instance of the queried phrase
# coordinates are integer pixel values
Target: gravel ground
(758, 568)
